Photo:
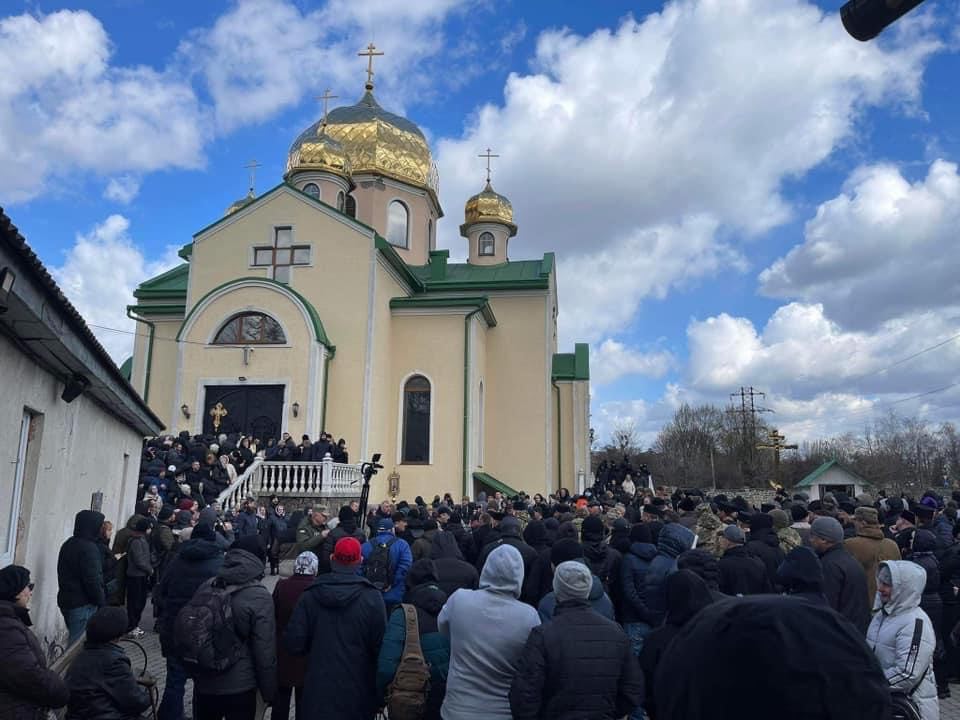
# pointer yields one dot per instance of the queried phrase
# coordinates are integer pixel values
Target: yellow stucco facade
(300, 318)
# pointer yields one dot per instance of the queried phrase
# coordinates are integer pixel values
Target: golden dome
(380, 142)
(488, 206)
(241, 203)
(316, 150)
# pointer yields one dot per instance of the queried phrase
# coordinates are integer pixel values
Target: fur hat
(867, 515)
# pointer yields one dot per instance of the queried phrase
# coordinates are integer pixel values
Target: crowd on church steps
(618, 603)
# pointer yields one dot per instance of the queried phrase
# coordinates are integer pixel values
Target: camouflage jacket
(708, 530)
(789, 539)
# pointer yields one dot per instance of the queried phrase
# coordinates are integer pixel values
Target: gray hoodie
(488, 629)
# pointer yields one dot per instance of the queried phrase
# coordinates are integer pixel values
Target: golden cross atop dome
(252, 167)
(370, 54)
(488, 155)
(326, 97)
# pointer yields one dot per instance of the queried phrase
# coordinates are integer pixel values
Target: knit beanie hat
(252, 544)
(203, 531)
(827, 528)
(347, 552)
(867, 515)
(760, 521)
(592, 529)
(572, 580)
(107, 624)
(734, 534)
(345, 514)
(306, 564)
(780, 519)
(13, 579)
(565, 549)
(799, 512)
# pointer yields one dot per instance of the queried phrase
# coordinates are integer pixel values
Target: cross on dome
(252, 167)
(370, 54)
(325, 98)
(488, 155)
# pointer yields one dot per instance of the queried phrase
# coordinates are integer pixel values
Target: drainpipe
(326, 384)
(466, 399)
(559, 439)
(146, 377)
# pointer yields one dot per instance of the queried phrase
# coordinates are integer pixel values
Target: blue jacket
(633, 581)
(246, 523)
(674, 539)
(401, 558)
(599, 603)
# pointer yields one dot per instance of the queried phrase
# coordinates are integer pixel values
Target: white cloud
(611, 360)
(100, 273)
(883, 248)
(122, 189)
(692, 116)
(64, 106)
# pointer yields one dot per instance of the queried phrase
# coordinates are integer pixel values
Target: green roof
(811, 479)
(126, 367)
(515, 275)
(480, 302)
(171, 285)
(491, 482)
(572, 366)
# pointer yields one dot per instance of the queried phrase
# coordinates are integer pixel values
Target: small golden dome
(241, 203)
(316, 150)
(380, 142)
(488, 206)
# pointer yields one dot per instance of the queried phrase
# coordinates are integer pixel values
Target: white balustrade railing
(310, 479)
(245, 485)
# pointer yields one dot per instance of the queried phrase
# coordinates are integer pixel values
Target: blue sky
(738, 192)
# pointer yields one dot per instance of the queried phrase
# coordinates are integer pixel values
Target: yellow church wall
(516, 395)
(479, 452)
(566, 470)
(163, 375)
(431, 345)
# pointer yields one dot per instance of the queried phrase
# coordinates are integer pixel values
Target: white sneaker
(136, 634)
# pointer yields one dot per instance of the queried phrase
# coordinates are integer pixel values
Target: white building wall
(78, 449)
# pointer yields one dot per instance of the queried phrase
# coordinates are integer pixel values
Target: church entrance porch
(253, 410)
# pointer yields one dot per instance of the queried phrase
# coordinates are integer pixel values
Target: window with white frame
(488, 244)
(398, 224)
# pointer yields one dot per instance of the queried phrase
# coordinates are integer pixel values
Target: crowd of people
(609, 604)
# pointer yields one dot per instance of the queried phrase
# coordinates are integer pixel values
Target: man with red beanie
(339, 623)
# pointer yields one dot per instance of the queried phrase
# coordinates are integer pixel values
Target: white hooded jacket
(891, 636)
(488, 629)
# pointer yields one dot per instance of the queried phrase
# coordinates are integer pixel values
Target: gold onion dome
(241, 203)
(316, 150)
(488, 206)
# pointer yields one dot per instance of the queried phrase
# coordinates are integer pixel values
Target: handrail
(233, 496)
(311, 479)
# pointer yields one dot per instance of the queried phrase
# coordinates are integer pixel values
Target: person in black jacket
(844, 581)
(510, 535)
(346, 527)
(740, 572)
(453, 572)
(921, 552)
(339, 623)
(198, 560)
(706, 566)
(101, 681)
(687, 594)
(801, 575)
(764, 544)
(603, 560)
(80, 574)
(579, 664)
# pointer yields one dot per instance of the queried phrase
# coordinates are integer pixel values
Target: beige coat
(871, 548)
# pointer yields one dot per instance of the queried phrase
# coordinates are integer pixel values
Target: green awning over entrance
(493, 484)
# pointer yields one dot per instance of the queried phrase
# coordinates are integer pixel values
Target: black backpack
(204, 635)
(377, 568)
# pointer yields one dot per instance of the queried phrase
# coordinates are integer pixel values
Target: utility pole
(775, 442)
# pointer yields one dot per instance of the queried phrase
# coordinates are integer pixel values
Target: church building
(324, 304)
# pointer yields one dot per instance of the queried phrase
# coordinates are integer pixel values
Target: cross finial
(488, 155)
(326, 97)
(370, 54)
(252, 167)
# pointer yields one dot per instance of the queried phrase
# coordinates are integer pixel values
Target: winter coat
(704, 565)
(488, 629)
(578, 666)
(80, 565)
(845, 585)
(421, 547)
(892, 633)
(138, 557)
(291, 669)
(453, 572)
(801, 575)
(687, 594)
(598, 601)
(400, 561)
(803, 530)
(196, 562)
(275, 527)
(102, 685)
(26, 685)
(326, 549)
(604, 563)
(246, 523)
(339, 624)
(764, 544)
(529, 555)
(789, 539)
(708, 529)
(871, 548)
(633, 583)
(741, 573)
(253, 618)
(428, 599)
(674, 539)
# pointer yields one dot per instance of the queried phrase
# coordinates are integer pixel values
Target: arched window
(416, 420)
(351, 206)
(398, 222)
(250, 328)
(313, 190)
(340, 201)
(488, 244)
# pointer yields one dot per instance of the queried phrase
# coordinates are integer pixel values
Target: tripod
(368, 469)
